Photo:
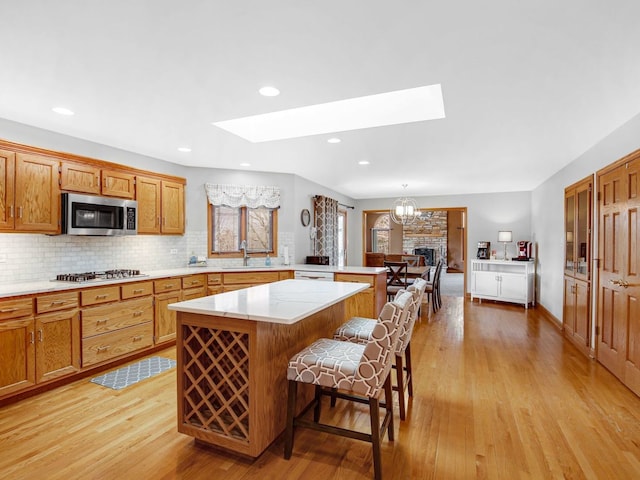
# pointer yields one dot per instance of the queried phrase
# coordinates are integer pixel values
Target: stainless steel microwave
(92, 215)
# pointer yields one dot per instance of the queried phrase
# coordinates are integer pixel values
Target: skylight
(391, 108)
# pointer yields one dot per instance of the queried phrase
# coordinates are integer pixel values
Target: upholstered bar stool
(359, 330)
(359, 372)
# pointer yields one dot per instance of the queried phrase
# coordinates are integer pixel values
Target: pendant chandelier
(404, 210)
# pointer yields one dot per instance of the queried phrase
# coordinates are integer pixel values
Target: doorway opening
(437, 234)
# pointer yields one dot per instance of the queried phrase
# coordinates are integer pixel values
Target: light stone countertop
(286, 301)
(50, 286)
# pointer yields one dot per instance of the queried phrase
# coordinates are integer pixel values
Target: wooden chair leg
(318, 400)
(407, 359)
(291, 411)
(374, 415)
(388, 401)
(400, 383)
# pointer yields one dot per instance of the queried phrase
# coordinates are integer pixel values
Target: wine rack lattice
(216, 381)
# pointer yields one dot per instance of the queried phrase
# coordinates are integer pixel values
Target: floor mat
(125, 376)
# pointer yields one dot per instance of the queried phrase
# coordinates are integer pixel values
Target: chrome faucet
(245, 255)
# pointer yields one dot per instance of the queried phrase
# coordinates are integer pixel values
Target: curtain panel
(252, 196)
(326, 223)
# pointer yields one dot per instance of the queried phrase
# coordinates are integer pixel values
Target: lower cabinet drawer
(114, 344)
(108, 318)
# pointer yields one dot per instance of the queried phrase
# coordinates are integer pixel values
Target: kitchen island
(233, 350)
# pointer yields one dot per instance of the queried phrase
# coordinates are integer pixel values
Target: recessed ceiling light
(391, 108)
(184, 149)
(245, 164)
(334, 140)
(62, 110)
(269, 91)
(363, 162)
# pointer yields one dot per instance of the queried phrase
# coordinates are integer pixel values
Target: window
(229, 226)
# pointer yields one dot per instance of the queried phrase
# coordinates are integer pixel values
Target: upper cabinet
(118, 184)
(577, 213)
(31, 180)
(80, 177)
(29, 193)
(91, 179)
(160, 206)
(172, 207)
(7, 180)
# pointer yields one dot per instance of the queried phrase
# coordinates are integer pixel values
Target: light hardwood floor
(498, 394)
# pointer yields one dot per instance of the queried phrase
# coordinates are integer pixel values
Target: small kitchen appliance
(524, 250)
(484, 250)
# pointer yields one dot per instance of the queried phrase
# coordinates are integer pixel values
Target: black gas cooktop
(97, 276)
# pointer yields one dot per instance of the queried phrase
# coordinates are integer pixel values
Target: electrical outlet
(174, 251)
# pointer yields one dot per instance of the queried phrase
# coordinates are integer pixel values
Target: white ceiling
(527, 86)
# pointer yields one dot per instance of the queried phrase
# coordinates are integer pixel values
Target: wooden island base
(232, 376)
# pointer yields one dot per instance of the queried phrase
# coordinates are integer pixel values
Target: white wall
(547, 209)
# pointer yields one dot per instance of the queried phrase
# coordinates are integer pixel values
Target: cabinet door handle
(58, 302)
(8, 310)
(10, 211)
(102, 321)
(103, 348)
(40, 335)
(33, 337)
(138, 313)
(140, 290)
(620, 282)
(20, 211)
(101, 297)
(137, 338)
(170, 285)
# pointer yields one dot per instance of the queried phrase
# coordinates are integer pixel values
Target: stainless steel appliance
(92, 215)
(484, 250)
(99, 276)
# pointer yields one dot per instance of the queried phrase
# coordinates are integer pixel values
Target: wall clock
(305, 217)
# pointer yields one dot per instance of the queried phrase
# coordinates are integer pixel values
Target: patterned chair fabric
(359, 329)
(359, 368)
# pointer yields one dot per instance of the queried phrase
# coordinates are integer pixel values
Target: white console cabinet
(503, 280)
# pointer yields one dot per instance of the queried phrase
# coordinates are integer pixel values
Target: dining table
(416, 272)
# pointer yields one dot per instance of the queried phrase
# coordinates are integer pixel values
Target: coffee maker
(524, 250)
(484, 250)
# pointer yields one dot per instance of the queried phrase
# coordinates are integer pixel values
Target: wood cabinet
(80, 177)
(503, 280)
(111, 330)
(576, 314)
(29, 193)
(172, 208)
(214, 283)
(160, 206)
(167, 291)
(118, 184)
(17, 345)
(7, 181)
(148, 194)
(369, 302)
(238, 280)
(37, 349)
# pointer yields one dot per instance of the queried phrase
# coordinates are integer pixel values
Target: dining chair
(350, 371)
(396, 277)
(412, 260)
(359, 330)
(433, 288)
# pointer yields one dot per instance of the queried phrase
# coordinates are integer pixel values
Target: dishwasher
(313, 275)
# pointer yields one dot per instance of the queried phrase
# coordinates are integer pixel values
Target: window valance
(252, 196)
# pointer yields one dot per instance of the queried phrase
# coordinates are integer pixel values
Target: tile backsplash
(34, 257)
